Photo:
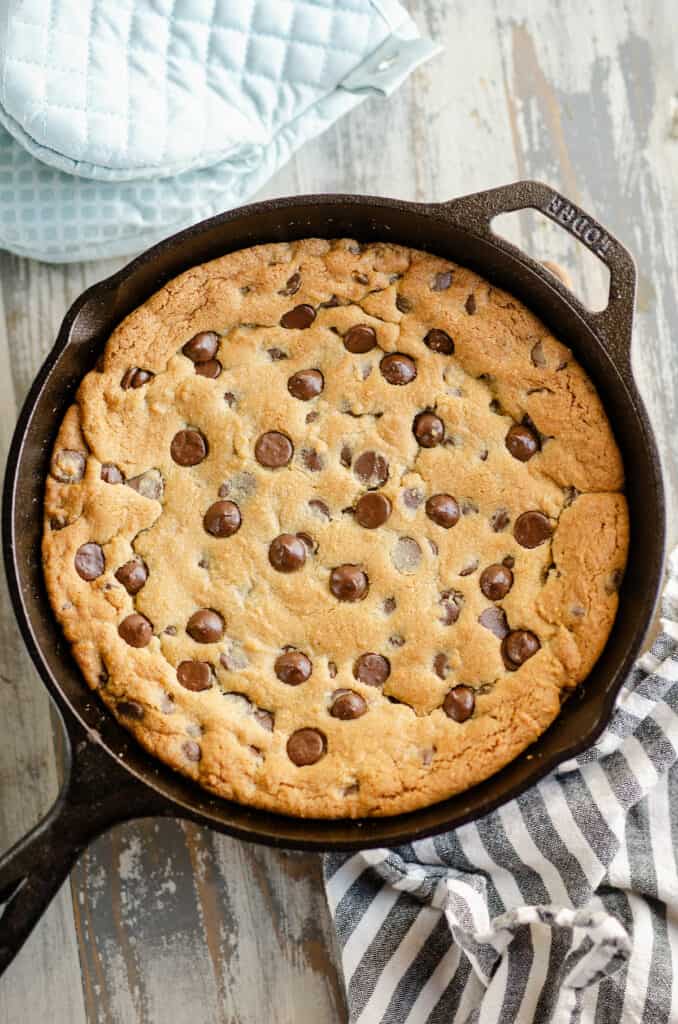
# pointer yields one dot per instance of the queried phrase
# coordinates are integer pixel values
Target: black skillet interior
(460, 231)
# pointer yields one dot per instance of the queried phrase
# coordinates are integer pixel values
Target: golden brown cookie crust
(404, 751)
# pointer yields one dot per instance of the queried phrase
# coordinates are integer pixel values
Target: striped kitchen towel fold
(561, 906)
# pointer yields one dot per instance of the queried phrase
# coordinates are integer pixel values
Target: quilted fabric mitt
(125, 121)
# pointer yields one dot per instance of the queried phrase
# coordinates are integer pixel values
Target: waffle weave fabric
(123, 122)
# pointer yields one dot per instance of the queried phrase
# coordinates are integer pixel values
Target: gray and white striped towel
(561, 906)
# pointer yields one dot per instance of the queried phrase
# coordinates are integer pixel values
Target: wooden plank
(172, 917)
(44, 982)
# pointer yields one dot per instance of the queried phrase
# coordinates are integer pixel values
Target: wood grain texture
(168, 922)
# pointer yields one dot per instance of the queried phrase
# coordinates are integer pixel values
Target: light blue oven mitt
(125, 120)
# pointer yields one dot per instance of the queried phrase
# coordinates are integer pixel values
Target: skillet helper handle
(614, 323)
(95, 796)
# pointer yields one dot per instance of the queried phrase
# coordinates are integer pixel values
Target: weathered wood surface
(165, 922)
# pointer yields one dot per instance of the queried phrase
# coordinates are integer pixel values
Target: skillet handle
(613, 324)
(96, 795)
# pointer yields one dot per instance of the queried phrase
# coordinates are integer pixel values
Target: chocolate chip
(293, 668)
(537, 355)
(428, 429)
(110, 474)
(406, 555)
(191, 750)
(211, 369)
(360, 338)
(459, 703)
(57, 523)
(305, 384)
(499, 520)
(439, 341)
(372, 669)
(388, 605)
(202, 347)
(287, 553)
(234, 660)
(614, 581)
(243, 484)
(264, 718)
(293, 285)
(443, 510)
(306, 746)
(496, 581)
(136, 630)
(311, 460)
(188, 447)
(273, 450)
(135, 378)
(205, 626)
(494, 619)
(229, 398)
(195, 675)
(372, 510)
(349, 583)
(68, 466)
(469, 568)
(442, 281)
(222, 519)
(451, 602)
(402, 304)
(299, 318)
(532, 529)
(132, 575)
(522, 442)
(241, 703)
(518, 646)
(311, 545)
(398, 369)
(371, 469)
(170, 630)
(276, 355)
(319, 508)
(470, 304)
(345, 457)
(89, 561)
(441, 665)
(130, 709)
(509, 561)
(330, 304)
(413, 497)
(347, 704)
(360, 278)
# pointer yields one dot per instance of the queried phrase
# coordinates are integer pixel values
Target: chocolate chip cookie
(333, 528)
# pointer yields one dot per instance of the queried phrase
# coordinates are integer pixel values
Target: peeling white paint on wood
(168, 922)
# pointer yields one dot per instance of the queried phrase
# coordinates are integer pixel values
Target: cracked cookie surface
(333, 529)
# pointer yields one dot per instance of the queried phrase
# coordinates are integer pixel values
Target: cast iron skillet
(109, 778)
